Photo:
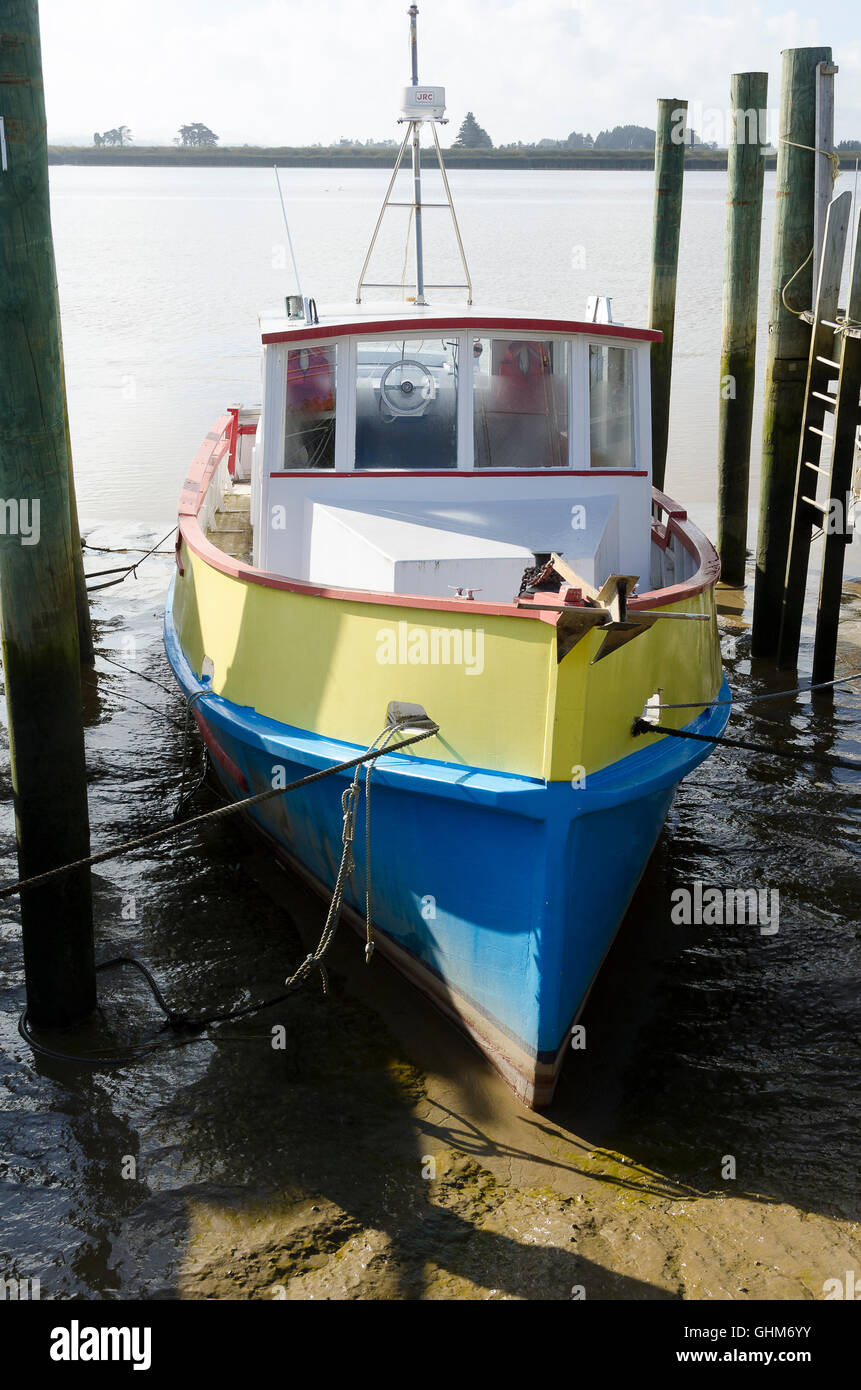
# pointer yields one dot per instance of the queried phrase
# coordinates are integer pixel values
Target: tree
(626, 137)
(849, 145)
(197, 134)
(471, 136)
(120, 135)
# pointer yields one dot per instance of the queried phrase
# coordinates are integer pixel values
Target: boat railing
(683, 559)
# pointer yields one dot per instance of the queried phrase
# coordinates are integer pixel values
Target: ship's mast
(420, 106)
(417, 162)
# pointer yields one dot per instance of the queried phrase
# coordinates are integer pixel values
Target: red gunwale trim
(419, 326)
(217, 443)
(466, 473)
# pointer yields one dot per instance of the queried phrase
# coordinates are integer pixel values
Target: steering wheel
(407, 387)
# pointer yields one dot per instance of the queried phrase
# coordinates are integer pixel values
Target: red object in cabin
(310, 380)
(524, 371)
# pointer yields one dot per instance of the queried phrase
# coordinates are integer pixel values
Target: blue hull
(498, 895)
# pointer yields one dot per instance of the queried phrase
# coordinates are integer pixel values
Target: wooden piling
(41, 657)
(746, 172)
(82, 602)
(789, 335)
(669, 175)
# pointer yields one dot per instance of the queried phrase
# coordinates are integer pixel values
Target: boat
(440, 521)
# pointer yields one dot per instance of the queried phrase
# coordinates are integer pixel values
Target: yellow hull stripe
(491, 681)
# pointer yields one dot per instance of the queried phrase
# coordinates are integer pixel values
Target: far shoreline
(299, 157)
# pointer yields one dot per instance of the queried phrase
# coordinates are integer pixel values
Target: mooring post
(669, 174)
(789, 335)
(41, 657)
(746, 171)
(82, 602)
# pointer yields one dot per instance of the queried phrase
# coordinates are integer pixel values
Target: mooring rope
(142, 675)
(107, 694)
(179, 1022)
(183, 795)
(349, 801)
(155, 836)
(124, 570)
(788, 307)
(834, 157)
(752, 699)
(799, 755)
(120, 549)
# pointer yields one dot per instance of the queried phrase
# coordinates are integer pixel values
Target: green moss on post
(746, 171)
(789, 337)
(41, 655)
(669, 175)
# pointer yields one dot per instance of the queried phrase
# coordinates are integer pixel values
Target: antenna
(419, 106)
(414, 42)
(290, 244)
(417, 161)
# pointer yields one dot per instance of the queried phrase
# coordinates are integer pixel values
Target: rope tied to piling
(834, 159)
(831, 155)
(754, 699)
(788, 307)
(798, 755)
(125, 570)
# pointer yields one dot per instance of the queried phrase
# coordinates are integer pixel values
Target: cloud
(305, 71)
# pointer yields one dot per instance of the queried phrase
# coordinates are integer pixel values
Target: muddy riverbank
(376, 1155)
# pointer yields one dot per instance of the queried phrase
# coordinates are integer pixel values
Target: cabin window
(406, 403)
(611, 406)
(520, 403)
(309, 430)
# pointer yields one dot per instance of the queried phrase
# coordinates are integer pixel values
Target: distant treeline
(353, 157)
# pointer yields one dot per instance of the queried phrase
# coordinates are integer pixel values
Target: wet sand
(377, 1155)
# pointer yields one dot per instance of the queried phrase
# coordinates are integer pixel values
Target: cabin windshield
(493, 399)
(406, 403)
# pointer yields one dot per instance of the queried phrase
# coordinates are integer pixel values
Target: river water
(221, 1168)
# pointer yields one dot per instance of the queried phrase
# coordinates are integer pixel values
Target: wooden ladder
(847, 417)
(824, 367)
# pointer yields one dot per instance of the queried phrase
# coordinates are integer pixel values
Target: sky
(292, 72)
